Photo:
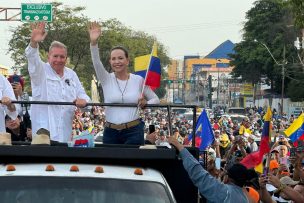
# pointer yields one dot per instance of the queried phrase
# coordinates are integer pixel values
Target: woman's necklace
(122, 91)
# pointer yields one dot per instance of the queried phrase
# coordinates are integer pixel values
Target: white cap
(270, 187)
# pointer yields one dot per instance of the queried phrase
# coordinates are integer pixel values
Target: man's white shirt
(48, 86)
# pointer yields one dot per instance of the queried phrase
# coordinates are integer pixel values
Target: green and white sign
(36, 12)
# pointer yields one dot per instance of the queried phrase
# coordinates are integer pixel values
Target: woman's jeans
(132, 136)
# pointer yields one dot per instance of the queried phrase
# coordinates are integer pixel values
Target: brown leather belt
(123, 125)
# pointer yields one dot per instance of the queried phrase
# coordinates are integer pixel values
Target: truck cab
(100, 174)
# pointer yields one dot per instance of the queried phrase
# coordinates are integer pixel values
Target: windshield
(179, 110)
(81, 190)
(237, 111)
(239, 119)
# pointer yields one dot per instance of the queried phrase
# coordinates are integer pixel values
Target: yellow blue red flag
(255, 158)
(296, 129)
(148, 67)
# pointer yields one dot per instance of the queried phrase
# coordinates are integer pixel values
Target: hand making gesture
(38, 33)
(95, 32)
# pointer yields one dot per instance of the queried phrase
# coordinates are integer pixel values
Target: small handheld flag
(203, 132)
(148, 67)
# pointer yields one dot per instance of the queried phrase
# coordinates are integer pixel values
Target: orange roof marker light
(10, 168)
(74, 168)
(49, 168)
(99, 169)
(138, 171)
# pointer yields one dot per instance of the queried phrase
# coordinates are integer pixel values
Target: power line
(202, 26)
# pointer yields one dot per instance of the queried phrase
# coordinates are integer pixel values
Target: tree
(297, 7)
(70, 27)
(267, 22)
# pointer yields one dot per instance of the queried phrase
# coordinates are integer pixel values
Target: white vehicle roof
(85, 170)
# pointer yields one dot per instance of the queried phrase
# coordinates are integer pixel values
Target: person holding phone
(17, 83)
(6, 106)
(282, 141)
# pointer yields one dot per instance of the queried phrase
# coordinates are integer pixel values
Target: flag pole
(142, 91)
(268, 155)
(143, 87)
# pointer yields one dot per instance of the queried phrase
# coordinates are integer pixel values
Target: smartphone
(151, 129)
(16, 78)
(218, 163)
(265, 171)
(293, 151)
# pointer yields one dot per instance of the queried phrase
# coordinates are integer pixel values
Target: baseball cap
(275, 150)
(273, 164)
(238, 173)
(270, 188)
(288, 181)
(211, 153)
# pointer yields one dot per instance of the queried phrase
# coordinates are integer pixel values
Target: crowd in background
(234, 140)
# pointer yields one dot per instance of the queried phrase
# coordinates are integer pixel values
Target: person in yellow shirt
(245, 128)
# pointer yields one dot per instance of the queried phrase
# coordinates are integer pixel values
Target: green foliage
(69, 26)
(268, 23)
(297, 7)
(295, 90)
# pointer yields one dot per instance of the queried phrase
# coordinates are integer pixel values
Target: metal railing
(167, 106)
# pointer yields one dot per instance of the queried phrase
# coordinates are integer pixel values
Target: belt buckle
(120, 127)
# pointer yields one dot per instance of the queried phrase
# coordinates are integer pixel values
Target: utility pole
(210, 91)
(299, 46)
(283, 79)
(218, 82)
(173, 90)
(184, 81)
(284, 62)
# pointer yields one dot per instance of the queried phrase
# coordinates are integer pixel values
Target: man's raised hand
(38, 33)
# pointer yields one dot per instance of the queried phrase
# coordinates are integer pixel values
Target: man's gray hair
(58, 45)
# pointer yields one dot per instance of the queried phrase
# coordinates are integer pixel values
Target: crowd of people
(233, 141)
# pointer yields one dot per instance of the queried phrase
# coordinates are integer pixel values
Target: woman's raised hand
(94, 31)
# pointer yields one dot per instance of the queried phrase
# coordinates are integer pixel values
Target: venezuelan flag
(296, 130)
(150, 63)
(204, 134)
(264, 144)
(254, 159)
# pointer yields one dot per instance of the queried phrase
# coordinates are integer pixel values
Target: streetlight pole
(299, 45)
(218, 82)
(284, 62)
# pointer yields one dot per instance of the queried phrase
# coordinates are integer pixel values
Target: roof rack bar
(101, 104)
(124, 105)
